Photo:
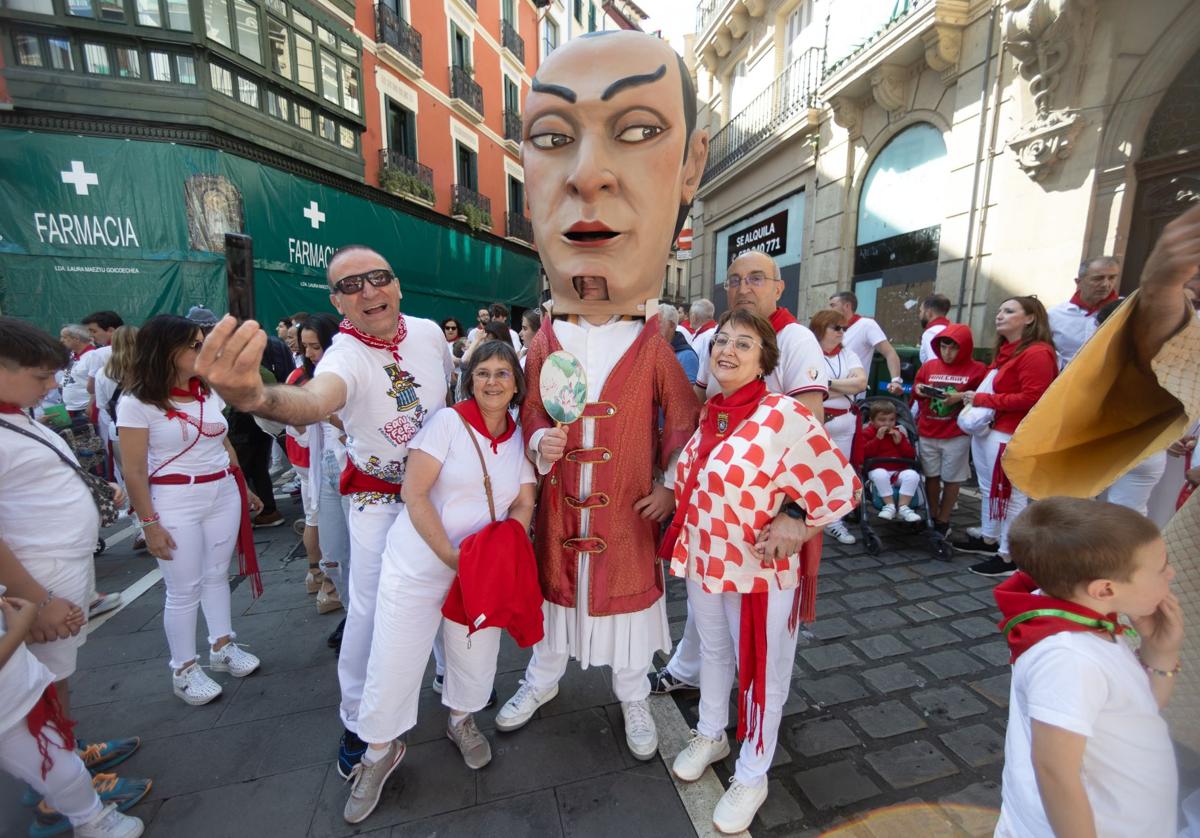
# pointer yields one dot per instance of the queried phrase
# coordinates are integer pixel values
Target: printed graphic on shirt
(392, 472)
(411, 415)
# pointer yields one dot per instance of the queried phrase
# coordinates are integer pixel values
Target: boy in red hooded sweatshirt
(945, 449)
(880, 438)
(1086, 751)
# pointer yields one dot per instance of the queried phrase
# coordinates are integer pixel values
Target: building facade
(134, 134)
(976, 148)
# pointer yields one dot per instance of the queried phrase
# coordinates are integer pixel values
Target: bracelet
(49, 598)
(1162, 673)
(145, 522)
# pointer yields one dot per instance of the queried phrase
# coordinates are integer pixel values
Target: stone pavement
(897, 710)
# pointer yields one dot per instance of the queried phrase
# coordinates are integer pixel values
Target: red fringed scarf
(1090, 310)
(708, 325)
(854, 318)
(1001, 492)
(247, 556)
(469, 410)
(832, 353)
(1029, 618)
(781, 317)
(48, 714)
(5, 407)
(392, 345)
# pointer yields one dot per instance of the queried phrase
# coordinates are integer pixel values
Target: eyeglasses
(500, 376)
(838, 328)
(754, 279)
(449, 328)
(195, 345)
(741, 344)
(354, 284)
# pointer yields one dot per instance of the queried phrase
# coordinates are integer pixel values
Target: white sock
(373, 755)
(457, 718)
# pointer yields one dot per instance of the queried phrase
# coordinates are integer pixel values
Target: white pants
(73, 579)
(882, 480)
(841, 430)
(985, 450)
(685, 663)
(67, 786)
(368, 536)
(547, 667)
(203, 520)
(1135, 487)
(408, 615)
(718, 621)
(333, 531)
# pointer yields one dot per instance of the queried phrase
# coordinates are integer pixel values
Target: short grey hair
(1102, 261)
(669, 313)
(701, 310)
(77, 331)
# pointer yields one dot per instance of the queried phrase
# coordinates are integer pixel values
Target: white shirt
(388, 403)
(23, 679)
(1071, 327)
(168, 438)
(702, 345)
(513, 336)
(1085, 684)
(861, 339)
(840, 366)
(801, 367)
(926, 352)
(46, 510)
(75, 380)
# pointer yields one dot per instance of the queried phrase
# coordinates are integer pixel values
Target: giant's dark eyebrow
(555, 90)
(632, 81)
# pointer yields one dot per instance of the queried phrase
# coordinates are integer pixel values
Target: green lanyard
(1106, 625)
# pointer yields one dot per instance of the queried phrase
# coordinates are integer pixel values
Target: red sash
(354, 480)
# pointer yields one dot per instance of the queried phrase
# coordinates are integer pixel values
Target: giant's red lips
(590, 234)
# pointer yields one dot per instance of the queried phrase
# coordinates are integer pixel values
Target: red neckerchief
(85, 351)
(1090, 310)
(1005, 354)
(1029, 617)
(781, 317)
(833, 353)
(5, 407)
(937, 321)
(709, 325)
(195, 390)
(854, 318)
(393, 345)
(469, 410)
(48, 714)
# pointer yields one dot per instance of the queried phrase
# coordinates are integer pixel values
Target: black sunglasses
(838, 328)
(354, 284)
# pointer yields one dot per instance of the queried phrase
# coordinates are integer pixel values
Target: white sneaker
(838, 530)
(700, 753)
(110, 824)
(738, 806)
(520, 708)
(974, 532)
(640, 733)
(233, 659)
(888, 512)
(909, 516)
(194, 686)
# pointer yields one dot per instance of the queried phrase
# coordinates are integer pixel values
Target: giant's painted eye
(551, 140)
(639, 133)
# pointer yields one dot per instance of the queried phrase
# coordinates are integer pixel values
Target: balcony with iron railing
(394, 32)
(512, 126)
(517, 226)
(467, 92)
(403, 176)
(511, 41)
(476, 209)
(792, 96)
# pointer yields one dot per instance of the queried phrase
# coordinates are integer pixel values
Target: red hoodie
(869, 447)
(1020, 382)
(964, 374)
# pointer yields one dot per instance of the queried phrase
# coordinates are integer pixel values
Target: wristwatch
(794, 511)
(897, 380)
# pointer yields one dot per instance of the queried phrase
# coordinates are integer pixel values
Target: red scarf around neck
(854, 318)
(469, 410)
(84, 351)
(937, 321)
(833, 353)
(5, 407)
(781, 317)
(707, 326)
(392, 345)
(1029, 618)
(1090, 310)
(195, 390)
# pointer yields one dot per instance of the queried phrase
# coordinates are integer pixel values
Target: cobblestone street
(895, 725)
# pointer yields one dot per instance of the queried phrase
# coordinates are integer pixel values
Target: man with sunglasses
(384, 376)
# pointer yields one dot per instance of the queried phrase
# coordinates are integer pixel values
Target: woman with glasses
(455, 336)
(847, 379)
(755, 455)
(183, 479)
(458, 453)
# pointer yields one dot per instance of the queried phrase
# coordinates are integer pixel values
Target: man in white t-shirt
(703, 327)
(864, 337)
(482, 318)
(753, 283)
(934, 313)
(1074, 321)
(384, 376)
(84, 365)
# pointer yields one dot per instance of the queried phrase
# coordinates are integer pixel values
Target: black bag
(102, 492)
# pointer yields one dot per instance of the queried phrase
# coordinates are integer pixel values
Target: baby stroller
(872, 503)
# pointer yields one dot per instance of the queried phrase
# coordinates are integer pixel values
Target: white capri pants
(1134, 488)
(841, 430)
(203, 520)
(985, 450)
(67, 786)
(408, 614)
(718, 621)
(881, 478)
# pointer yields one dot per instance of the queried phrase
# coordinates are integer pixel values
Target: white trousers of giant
(985, 450)
(203, 519)
(412, 588)
(1134, 488)
(718, 621)
(368, 536)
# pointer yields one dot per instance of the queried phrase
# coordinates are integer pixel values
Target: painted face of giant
(606, 171)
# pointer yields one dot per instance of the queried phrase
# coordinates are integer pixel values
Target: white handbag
(977, 421)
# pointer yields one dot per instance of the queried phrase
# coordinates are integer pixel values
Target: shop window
(185, 69)
(222, 79)
(329, 77)
(160, 66)
(60, 54)
(95, 60)
(248, 42)
(216, 22)
(281, 53)
(306, 72)
(29, 50)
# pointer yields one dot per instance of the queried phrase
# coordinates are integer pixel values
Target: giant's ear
(693, 165)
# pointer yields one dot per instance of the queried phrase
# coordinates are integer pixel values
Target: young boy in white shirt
(1087, 753)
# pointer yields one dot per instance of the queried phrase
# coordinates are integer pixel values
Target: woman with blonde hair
(111, 381)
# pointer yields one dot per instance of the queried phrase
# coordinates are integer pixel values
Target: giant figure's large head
(612, 162)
